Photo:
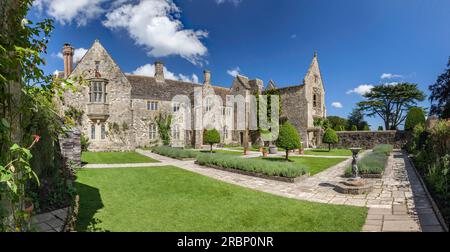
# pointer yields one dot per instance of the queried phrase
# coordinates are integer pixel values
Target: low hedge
(373, 162)
(288, 170)
(174, 152)
(384, 148)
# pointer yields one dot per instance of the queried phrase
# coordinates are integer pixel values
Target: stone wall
(369, 139)
(70, 146)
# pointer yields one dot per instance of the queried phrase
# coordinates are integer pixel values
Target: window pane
(93, 131)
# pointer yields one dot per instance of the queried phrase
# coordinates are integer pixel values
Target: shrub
(384, 148)
(174, 152)
(371, 163)
(285, 169)
(84, 142)
(211, 137)
(288, 138)
(330, 137)
(380, 128)
(354, 128)
(414, 117)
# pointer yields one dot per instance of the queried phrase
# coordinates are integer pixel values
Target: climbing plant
(164, 122)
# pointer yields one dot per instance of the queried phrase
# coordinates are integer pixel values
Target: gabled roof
(243, 80)
(271, 85)
(145, 87)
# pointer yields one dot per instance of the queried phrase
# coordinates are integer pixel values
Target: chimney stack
(207, 77)
(68, 51)
(159, 71)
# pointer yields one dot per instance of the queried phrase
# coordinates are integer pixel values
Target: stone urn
(273, 150)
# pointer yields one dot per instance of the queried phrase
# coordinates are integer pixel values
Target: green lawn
(114, 158)
(313, 164)
(325, 152)
(172, 199)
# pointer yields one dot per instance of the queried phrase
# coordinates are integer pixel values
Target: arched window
(103, 131)
(314, 100)
(208, 104)
(92, 131)
(176, 132)
(225, 132)
(152, 131)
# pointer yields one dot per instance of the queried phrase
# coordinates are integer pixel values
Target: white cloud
(66, 11)
(391, 83)
(155, 25)
(361, 89)
(337, 105)
(390, 76)
(234, 2)
(233, 72)
(293, 36)
(77, 54)
(149, 70)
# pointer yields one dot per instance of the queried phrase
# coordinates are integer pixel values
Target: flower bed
(373, 164)
(176, 153)
(260, 168)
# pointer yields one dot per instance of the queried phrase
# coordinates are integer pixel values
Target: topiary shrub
(211, 137)
(414, 117)
(288, 138)
(330, 137)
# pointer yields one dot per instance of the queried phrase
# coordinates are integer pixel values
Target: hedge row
(174, 152)
(289, 170)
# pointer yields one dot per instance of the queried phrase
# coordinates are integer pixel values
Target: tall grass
(281, 169)
(384, 148)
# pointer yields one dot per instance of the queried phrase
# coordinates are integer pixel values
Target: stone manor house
(119, 109)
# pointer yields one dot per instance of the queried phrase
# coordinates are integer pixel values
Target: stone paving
(397, 203)
(50, 222)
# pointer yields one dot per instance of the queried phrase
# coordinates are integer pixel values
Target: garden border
(435, 207)
(258, 175)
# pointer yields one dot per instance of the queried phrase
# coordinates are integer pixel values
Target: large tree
(440, 95)
(356, 120)
(390, 102)
(337, 122)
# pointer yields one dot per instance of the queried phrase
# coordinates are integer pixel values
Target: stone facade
(120, 109)
(369, 139)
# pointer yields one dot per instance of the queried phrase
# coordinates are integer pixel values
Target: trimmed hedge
(289, 170)
(373, 162)
(174, 152)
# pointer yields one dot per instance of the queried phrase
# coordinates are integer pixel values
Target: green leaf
(5, 123)
(5, 177)
(14, 147)
(12, 186)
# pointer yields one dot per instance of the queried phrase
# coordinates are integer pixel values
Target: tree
(390, 102)
(440, 95)
(322, 123)
(330, 137)
(366, 128)
(211, 137)
(380, 128)
(288, 138)
(336, 122)
(414, 117)
(356, 118)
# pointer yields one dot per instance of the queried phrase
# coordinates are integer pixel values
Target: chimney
(68, 59)
(207, 77)
(159, 71)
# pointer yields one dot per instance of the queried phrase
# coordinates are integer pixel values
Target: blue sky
(358, 41)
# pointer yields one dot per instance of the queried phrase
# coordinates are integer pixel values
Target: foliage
(175, 152)
(211, 137)
(26, 108)
(288, 138)
(313, 165)
(164, 122)
(380, 128)
(84, 142)
(390, 102)
(330, 137)
(337, 123)
(73, 116)
(356, 120)
(284, 169)
(440, 94)
(384, 148)
(414, 117)
(323, 123)
(372, 163)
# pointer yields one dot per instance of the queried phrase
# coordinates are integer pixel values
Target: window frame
(152, 131)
